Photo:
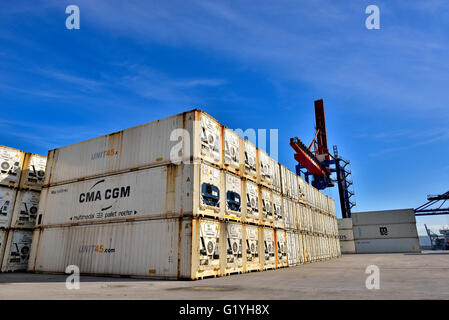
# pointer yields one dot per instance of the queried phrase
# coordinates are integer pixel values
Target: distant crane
(437, 242)
(431, 208)
(318, 163)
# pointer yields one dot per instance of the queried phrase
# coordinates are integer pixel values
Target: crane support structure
(433, 206)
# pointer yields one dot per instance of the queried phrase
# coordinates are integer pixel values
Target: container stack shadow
(179, 198)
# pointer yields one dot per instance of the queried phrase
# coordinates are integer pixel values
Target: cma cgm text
(114, 193)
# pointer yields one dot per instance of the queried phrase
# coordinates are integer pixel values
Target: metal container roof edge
(20, 150)
(133, 127)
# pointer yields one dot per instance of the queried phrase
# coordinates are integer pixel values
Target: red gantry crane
(320, 164)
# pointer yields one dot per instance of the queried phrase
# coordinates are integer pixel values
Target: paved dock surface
(402, 276)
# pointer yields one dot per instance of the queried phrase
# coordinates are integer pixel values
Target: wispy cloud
(415, 138)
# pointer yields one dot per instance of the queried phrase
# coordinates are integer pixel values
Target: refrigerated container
(17, 250)
(234, 247)
(269, 248)
(248, 160)
(7, 199)
(156, 192)
(292, 250)
(25, 209)
(278, 211)
(184, 138)
(267, 206)
(251, 203)
(231, 152)
(233, 191)
(33, 172)
(277, 185)
(252, 249)
(11, 161)
(281, 248)
(265, 169)
(179, 248)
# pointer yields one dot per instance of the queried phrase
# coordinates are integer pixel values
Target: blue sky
(250, 65)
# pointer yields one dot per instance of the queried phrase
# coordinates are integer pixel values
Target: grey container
(385, 217)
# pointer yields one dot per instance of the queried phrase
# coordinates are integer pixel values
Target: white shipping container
(385, 217)
(288, 214)
(11, 161)
(251, 203)
(347, 246)
(386, 231)
(25, 209)
(294, 186)
(157, 192)
(33, 172)
(344, 223)
(346, 234)
(267, 206)
(234, 248)
(300, 248)
(231, 152)
(292, 250)
(248, 156)
(233, 191)
(265, 169)
(165, 248)
(400, 245)
(3, 239)
(183, 137)
(17, 250)
(301, 189)
(281, 248)
(252, 249)
(285, 181)
(7, 198)
(277, 185)
(278, 211)
(269, 249)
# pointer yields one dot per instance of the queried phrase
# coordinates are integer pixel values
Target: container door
(7, 197)
(209, 245)
(269, 247)
(10, 163)
(33, 172)
(17, 250)
(252, 247)
(277, 211)
(234, 246)
(233, 196)
(250, 162)
(210, 188)
(252, 202)
(231, 149)
(25, 209)
(267, 206)
(210, 139)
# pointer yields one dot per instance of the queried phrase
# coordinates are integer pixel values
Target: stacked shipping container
(388, 231)
(181, 197)
(21, 177)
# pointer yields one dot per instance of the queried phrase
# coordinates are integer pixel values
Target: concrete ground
(402, 276)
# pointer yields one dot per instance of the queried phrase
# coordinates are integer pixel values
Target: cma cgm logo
(104, 194)
(103, 154)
